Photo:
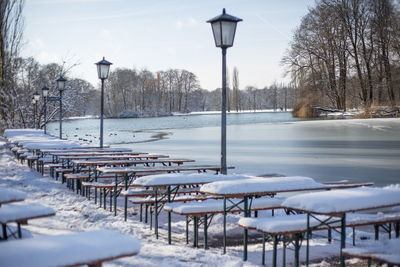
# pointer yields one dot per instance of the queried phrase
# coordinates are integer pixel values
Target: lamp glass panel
(216, 27)
(228, 32)
(60, 85)
(102, 70)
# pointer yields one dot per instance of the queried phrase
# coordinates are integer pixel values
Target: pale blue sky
(163, 34)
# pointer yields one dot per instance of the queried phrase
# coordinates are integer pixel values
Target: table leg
(187, 229)
(205, 232)
(308, 240)
(115, 196)
(275, 252)
(126, 209)
(296, 250)
(156, 213)
(263, 249)
(342, 240)
(169, 215)
(245, 231)
(224, 238)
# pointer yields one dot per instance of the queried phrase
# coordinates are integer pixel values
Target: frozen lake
(262, 143)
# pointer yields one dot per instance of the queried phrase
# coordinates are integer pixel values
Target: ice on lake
(263, 143)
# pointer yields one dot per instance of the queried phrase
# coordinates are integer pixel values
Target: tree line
(132, 92)
(345, 54)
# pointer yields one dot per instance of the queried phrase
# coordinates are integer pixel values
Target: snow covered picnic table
(256, 187)
(338, 203)
(85, 248)
(174, 182)
(386, 251)
(8, 195)
(92, 164)
(291, 228)
(21, 213)
(202, 212)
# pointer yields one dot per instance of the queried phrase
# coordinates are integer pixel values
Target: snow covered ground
(75, 213)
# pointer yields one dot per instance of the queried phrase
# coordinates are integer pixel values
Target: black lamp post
(45, 92)
(36, 97)
(60, 86)
(103, 68)
(224, 28)
(34, 114)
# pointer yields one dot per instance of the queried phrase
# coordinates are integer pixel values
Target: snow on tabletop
(122, 169)
(337, 201)
(14, 212)
(258, 185)
(386, 250)
(217, 205)
(279, 224)
(179, 178)
(64, 250)
(10, 195)
(8, 133)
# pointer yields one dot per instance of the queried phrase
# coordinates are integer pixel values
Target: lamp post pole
(45, 113)
(223, 115)
(34, 115)
(45, 92)
(60, 86)
(36, 97)
(60, 118)
(224, 28)
(101, 112)
(103, 68)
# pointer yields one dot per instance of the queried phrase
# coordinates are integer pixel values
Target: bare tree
(235, 88)
(11, 30)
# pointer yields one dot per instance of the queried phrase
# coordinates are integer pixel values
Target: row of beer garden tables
(236, 190)
(320, 203)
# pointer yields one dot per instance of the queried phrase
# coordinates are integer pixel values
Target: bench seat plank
(386, 251)
(298, 223)
(8, 195)
(213, 206)
(23, 211)
(93, 247)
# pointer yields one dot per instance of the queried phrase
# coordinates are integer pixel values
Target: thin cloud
(271, 25)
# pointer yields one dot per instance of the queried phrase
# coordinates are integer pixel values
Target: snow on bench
(91, 248)
(138, 191)
(8, 195)
(213, 206)
(386, 251)
(22, 212)
(342, 201)
(293, 224)
(180, 198)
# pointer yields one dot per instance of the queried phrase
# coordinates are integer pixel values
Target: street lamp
(103, 68)
(45, 92)
(60, 86)
(36, 97)
(34, 114)
(224, 28)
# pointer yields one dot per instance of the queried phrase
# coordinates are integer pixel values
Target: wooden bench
(9, 195)
(86, 248)
(289, 228)
(21, 213)
(382, 252)
(206, 209)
